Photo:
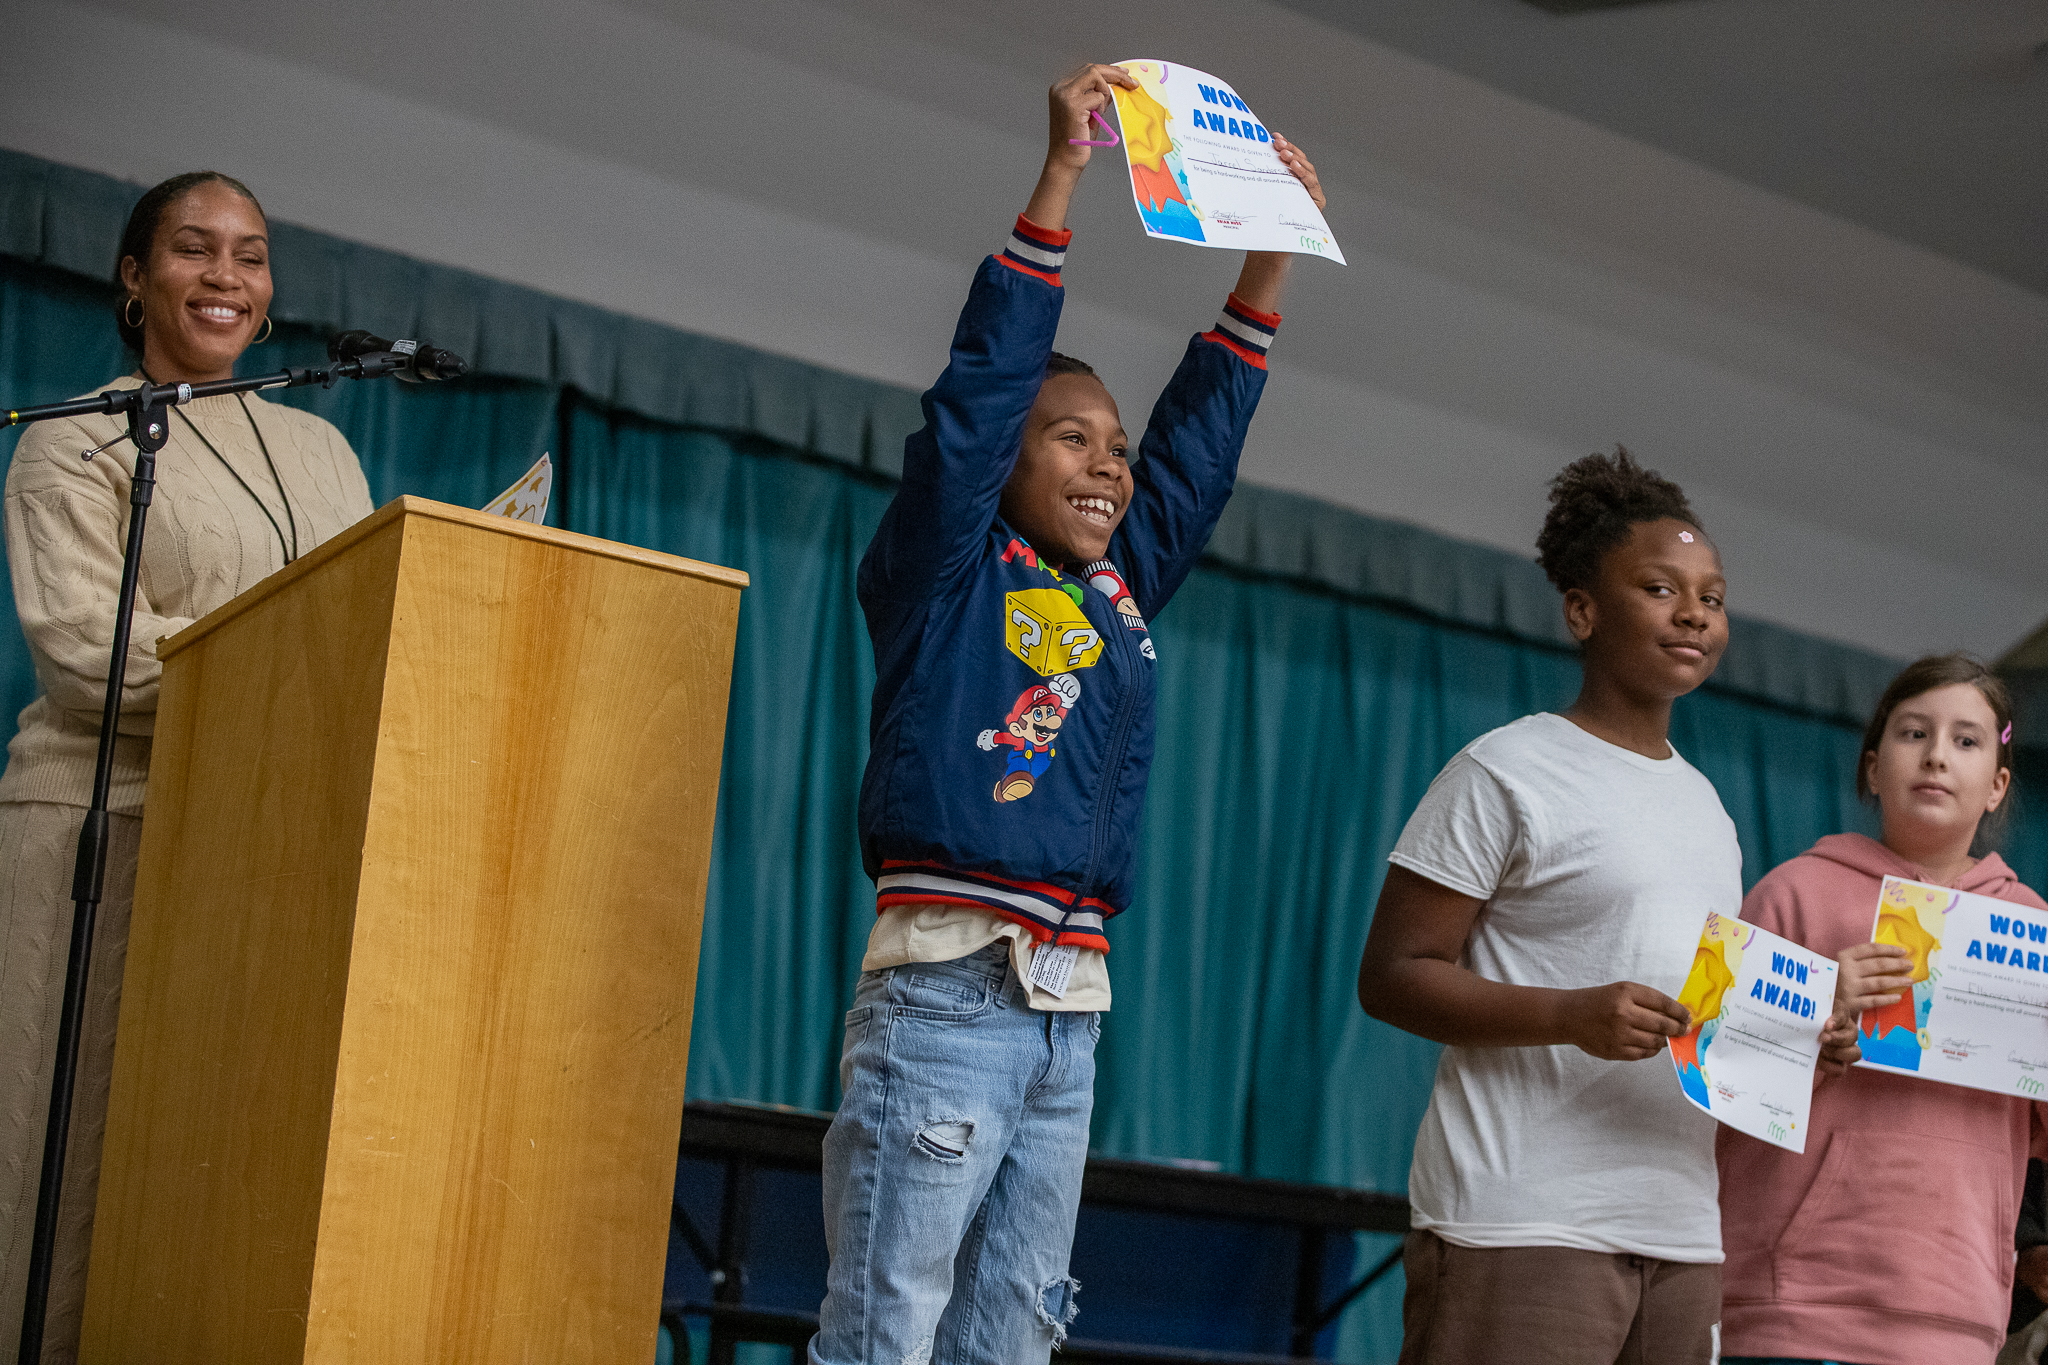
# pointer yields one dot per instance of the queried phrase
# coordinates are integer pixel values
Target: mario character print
(1030, 729)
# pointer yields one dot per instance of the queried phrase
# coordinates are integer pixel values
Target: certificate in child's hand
(1977, 1014)
(1203, 168)
(1758, 1004)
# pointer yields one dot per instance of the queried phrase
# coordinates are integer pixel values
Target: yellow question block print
(1044, 628)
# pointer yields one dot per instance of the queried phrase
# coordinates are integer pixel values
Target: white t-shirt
(1597, 864)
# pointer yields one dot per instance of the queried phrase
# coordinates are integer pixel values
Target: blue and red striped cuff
(1245, 330)
(1051, 914)
(1036, 252)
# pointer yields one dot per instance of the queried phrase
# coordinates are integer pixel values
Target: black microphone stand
(148, 410)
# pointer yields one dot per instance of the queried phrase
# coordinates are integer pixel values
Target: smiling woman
(244, 486)
(195, 262)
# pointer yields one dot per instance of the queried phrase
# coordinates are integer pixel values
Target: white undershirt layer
(946, 933)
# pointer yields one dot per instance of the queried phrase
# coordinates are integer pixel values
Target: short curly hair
(1593, 503)
(1066, 364)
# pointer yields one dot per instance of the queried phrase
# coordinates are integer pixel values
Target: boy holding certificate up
(1007, 591)
(1543, 908)
(1890, 1242)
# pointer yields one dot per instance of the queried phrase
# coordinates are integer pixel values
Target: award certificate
(1977, 1014)
(1203, 168)
(1758, 1004)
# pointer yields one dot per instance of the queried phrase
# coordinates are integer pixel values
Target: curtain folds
(70, 221)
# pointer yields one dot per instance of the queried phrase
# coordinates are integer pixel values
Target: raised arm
(955, 466)
(1264, 277)
(1069, 106)
(1188, 457)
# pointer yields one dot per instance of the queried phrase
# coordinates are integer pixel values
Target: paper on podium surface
(1758, 1005)
(1203, 169)
(1977, 1014)
(527, 499)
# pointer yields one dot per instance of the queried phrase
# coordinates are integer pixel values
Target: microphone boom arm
(115, 402)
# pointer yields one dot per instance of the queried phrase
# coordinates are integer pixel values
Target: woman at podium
(245, 486)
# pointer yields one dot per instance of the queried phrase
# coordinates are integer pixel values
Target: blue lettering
(1789, 968)
(1208, 94)
(1808, 1011)
(2033, 961)
(1235, 131)
(2001, 924)
(1995, 953)
(1976, 950)
(2038, 932)
(1261, 132)
(1771, 993)
(1240, 104)
(1756, 989)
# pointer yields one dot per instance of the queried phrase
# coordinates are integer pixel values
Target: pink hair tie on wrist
(1096, 114)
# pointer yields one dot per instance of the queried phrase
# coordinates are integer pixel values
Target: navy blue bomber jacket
(1011, 736)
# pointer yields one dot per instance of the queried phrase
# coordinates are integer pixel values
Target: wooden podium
(399, 1075)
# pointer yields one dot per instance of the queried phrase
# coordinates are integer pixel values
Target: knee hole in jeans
(1058, 1306)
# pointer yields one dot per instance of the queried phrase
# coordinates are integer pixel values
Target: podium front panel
(407, 1013)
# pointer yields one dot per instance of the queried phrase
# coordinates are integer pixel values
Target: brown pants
(1554, 1306)
(38, 846)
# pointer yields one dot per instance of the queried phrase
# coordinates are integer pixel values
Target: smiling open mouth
(1095, 509)
(218, 312)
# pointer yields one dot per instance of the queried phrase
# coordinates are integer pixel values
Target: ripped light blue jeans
(953, 1169)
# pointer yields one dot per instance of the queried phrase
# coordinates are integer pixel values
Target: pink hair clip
(2006, 738)
(1096, 114)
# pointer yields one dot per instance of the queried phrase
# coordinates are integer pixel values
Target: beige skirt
(38, 848)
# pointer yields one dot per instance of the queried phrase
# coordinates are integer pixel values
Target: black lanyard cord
(291, 551)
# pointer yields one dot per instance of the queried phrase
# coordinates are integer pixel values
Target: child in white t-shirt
(1539, 917)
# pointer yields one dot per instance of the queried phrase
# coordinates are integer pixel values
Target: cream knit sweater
(207, 540)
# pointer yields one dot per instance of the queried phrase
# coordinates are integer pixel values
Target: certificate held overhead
(1203, 168)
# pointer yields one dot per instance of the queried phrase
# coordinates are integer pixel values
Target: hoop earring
(134, 302)
(268, 328)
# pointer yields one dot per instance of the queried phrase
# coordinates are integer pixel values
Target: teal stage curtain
(1317, 671)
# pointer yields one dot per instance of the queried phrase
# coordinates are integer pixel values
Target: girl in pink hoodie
(1890, 1242)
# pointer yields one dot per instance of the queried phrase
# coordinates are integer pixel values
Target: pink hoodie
(1890, 1242)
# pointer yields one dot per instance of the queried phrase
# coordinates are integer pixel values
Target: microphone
(420, 361)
